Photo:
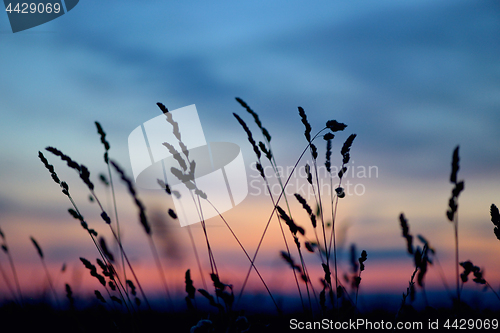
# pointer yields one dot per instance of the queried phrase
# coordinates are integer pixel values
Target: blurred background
(413, 79)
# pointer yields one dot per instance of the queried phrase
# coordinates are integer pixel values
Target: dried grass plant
(310, 224)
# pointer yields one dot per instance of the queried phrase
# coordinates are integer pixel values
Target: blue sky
(412, 78)
(406, 76)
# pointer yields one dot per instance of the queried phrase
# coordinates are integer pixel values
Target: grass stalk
(106, 145)
(85, 176)
(160, 270)
(49, 279)
(457, 262)
(5, 249)
(193, 245)
(9, 286)
(275, 207)
(246, 254)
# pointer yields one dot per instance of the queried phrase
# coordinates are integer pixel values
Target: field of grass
(325, 299)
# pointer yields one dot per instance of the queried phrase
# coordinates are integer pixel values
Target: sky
(413, 79)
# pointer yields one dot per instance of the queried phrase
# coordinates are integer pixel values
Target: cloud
(411, 79)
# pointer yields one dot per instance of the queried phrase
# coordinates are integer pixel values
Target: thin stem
(117, 223)
(276, 204)
(493, 290)
(305, 272)
(110, 265)
(8, 284)
(260, 243)
(102, 254)
(442, 275)
(160, 268)
(50, 282)
(321, 211)
(196, 256)
(16, 280)
(14, 273)
(131, 269)
(456, 259)
(333, 236)
(123, 251)
(199, 210)
(357, 289)
(408, 290)
(246, 254)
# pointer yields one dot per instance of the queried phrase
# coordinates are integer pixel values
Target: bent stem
(160, 269)
(246, 254)
(5, 248)
(275, 208)
(7, 283)
(260, 242)
(120, 245)
(493, 290)
(51, 285)
(456, 258)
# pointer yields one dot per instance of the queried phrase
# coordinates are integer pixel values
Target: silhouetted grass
(215, 308)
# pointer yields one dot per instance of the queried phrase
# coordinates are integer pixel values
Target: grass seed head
(176, 155)
(116, 299)
(328, 163)
(103, 136)
(328, 273)
(454, 166)
(354, 262)
(99, 296)
(38, 248)
(266, 151)
(314, 151)
(190, 289)
(308, 172)
(249, 135)
(495, 218)
(293, 227)
(142, 211)
(255, 116)
(261, 170)
(290, 261)
(307, 208)
(72, 164)
(164, 186)
(309, 246)
(210, 299)
(105, 250)
(175, 125)
(342, 172)
(49, 167)
(171, 213)
(104, 179)
(361, 260)
(75, 214)
(69, 295)
(303, 117)
(132, 287)
(105, 217)
(335, 126)
(345, 151)
(406, 233)
(340, 192)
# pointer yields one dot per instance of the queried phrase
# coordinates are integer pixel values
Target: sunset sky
(413, 79)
